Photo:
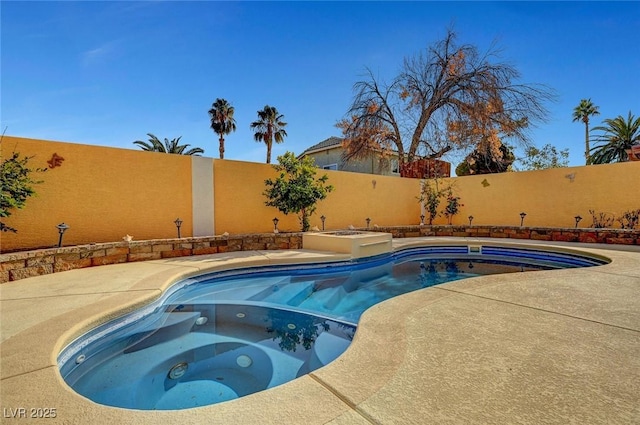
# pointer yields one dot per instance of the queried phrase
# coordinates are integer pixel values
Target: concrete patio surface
(544, 347)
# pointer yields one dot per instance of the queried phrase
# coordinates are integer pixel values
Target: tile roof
(325, 144)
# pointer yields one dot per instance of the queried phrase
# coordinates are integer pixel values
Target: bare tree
(447, 97)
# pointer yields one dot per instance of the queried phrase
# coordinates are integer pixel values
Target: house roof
(331, 142)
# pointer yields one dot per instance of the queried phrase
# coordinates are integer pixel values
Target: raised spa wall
(24, 264)
(356, 243)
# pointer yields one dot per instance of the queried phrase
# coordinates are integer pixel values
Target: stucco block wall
(550, 198)
(105, 193)
(240, 203)
(101, 193)
(384, 199)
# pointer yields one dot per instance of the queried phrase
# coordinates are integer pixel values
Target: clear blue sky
(107, 73)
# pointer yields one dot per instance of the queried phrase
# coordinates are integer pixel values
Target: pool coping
(392, 372)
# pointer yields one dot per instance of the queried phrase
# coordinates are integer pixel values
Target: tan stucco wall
(239, 203)
(386, 200)
(101, 193)
(240, 208)
(550, 198)
(105, 193)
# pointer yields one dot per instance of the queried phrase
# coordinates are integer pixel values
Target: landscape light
(61, 229)
(275, 224)
(178, 223)
(470, 219)
(522, 216)
(323, 218)
(577, 218)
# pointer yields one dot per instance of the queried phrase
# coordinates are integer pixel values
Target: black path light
(522, 216)
(422, 219)
(577, 218)
(368, 222)
(62, 227)
(275, 224)
(470, 219)
(178, 223)
(323, 218)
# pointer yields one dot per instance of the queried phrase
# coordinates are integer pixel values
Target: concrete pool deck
(559, 346)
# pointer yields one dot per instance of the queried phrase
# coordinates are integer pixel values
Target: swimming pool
(224, 335)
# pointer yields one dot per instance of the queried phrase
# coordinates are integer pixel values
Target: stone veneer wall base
(24, 264)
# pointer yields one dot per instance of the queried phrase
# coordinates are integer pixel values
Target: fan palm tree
(618, 136)
(169, 146)
(222, 121)
(268, 128)
(582, 112)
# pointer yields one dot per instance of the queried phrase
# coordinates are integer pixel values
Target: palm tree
(618, 136)
(169, 146)
(268, 128)
(582, 112)
(222, 121)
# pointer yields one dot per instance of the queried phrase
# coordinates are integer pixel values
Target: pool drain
(244, 361)
(178, 370)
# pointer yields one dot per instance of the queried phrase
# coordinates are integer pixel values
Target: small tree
(541, 159)
(296, 190)
(430, 199)
(487, 158)
(17, 185)
(453, 205)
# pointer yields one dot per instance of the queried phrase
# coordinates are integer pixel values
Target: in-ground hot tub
(357, 243)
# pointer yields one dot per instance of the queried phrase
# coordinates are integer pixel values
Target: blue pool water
(228, 334)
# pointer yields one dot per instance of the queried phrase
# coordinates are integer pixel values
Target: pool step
(323, 300)
(267, 290)
(291, 294)
(355, 301)
(171, 325)
(258, 289)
